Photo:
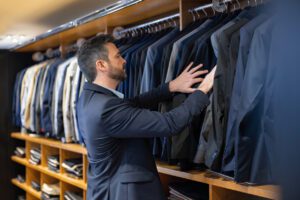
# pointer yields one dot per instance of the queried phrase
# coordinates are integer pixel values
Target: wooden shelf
(19, 160)
(50, 142)
(26, 188)
(267, 191)
(63, 177)
(147, 9)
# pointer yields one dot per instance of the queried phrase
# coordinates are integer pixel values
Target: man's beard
(117, 74)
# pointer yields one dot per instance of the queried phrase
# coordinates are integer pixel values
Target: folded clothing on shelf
(188, 191)
(49, 197)
(73, 167)
(69, 195)
(20, 178)
(35, 156)
(36, 185)
(20, 152)
(21, 197)
(53, 163)
(50, 191)
(35, 152)
(54, 169)
(76, 171)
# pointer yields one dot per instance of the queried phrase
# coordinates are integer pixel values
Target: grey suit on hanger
(251, 156)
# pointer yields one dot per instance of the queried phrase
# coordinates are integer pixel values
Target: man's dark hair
(91, 51)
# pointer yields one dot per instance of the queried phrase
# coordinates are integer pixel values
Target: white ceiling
(26, 19)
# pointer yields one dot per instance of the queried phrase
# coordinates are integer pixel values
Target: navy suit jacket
(121, 165)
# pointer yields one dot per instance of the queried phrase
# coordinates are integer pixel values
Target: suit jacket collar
(97, 88)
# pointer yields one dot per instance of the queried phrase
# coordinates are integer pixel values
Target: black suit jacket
(114, 130)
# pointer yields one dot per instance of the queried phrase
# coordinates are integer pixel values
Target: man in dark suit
(114, 129)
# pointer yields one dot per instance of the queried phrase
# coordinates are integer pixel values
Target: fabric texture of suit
(27, 94)
(121, 165)
(74, 98)
(284, 57)
(246, 35)
(34, 100)
(251, 163)
(46, 122)
(37, 106)
(69, 131)
(16, 99)
(57, 114)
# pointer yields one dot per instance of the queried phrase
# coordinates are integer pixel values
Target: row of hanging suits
(233, 139)
(229, 138)
(45, 97)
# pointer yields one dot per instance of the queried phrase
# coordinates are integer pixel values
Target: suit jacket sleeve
(121, 119)
(151, 99)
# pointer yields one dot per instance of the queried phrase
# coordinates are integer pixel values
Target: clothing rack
(81, 20)
(200, 8)
(171, 17)
(211, 5)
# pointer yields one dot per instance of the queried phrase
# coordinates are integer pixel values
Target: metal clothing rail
(211, 5)
(150, 23)
(82, 20)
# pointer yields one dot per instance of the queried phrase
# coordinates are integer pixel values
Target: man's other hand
(208, 81)
(189, 77)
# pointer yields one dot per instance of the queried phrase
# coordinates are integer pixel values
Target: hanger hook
(158, 27)
(136, 32)
(174, 20)
(205, 12)
(198, 16)
(192, 12)
(164, 25)
(213, 10)
(170, 22)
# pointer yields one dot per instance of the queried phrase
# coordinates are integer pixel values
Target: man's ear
(101, 65)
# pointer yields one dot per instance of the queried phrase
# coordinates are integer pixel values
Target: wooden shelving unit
(219, 187)
(60, 176)
(26, 188)
(41, 173)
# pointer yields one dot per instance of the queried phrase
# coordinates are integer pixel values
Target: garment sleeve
(151, 99)
(122, 120)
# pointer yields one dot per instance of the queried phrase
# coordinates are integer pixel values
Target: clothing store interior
(202, 109)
